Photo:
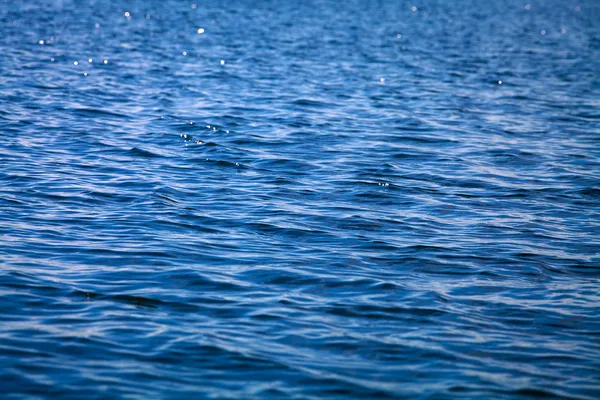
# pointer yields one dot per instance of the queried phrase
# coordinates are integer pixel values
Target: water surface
(311, 200)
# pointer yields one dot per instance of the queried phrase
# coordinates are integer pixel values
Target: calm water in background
(362, 199)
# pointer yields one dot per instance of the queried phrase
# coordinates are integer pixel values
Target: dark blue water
(308, 200)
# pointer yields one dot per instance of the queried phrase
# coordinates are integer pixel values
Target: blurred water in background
(316, 199)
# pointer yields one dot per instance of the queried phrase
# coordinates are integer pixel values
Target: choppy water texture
(314, 199)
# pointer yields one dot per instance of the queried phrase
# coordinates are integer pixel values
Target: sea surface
(300, 199)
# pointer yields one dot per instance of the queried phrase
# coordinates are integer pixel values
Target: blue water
(300, 199)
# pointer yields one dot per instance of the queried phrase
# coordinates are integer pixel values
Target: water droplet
(200, 31)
